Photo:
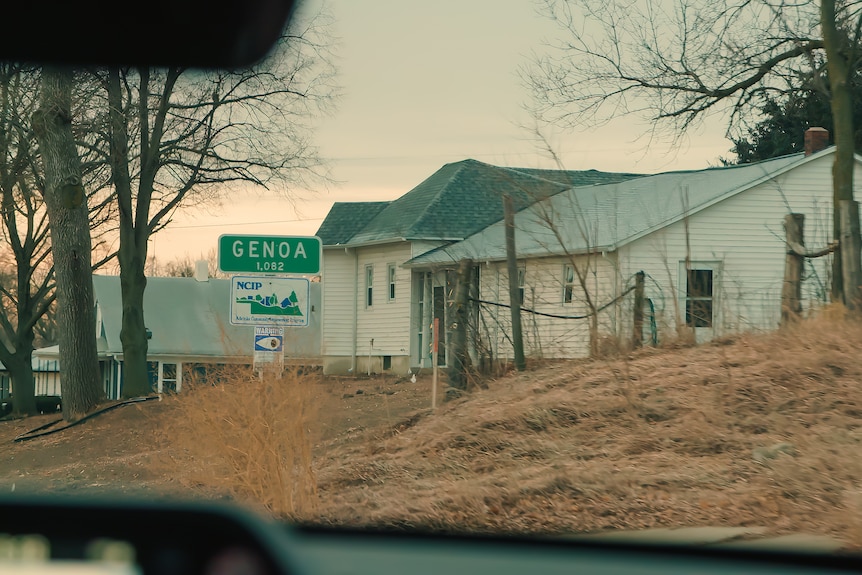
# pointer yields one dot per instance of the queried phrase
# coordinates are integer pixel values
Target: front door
(700, 283)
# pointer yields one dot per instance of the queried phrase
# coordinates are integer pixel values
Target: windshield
(539, 268)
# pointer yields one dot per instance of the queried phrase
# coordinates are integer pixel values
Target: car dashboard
(125, 537)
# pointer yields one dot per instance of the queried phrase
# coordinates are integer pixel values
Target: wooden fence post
(458, 358)
(791, 290)
(850, 265)
(638, 323)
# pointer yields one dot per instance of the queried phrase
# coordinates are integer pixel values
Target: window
(422, 321)
(568, 283)
(169, 377)
(522, 279)
(369, 285)
(699, 298)
(391, 275)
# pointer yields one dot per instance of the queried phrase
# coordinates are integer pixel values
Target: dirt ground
(115, 452)
(755, 430)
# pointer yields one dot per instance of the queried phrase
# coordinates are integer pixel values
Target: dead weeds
(248, 436)
(654, 438)
(751, 430)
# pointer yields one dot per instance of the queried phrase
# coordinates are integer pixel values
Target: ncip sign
(269, 254)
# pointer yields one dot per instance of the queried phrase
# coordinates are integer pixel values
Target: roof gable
(579, 177)
(346, 219)
(460, 199)
(609, 216)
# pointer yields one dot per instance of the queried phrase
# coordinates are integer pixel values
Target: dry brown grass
(656, 438)
(249, 438)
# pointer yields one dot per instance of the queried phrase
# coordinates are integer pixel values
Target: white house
(376, 312)
(46, 378)
(710, 242)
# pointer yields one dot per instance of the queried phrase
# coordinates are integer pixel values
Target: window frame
(369, 286)
(522, 282)
(690, 308)
(392, 276)
(568, 284)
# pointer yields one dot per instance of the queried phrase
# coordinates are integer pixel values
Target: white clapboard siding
(386, 321)
(744, 234)
(338, 289)
(545, 336)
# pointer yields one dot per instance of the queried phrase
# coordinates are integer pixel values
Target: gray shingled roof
(579, 177)
(346, 219)
(187, 317)
(615, 214)
(456, 201)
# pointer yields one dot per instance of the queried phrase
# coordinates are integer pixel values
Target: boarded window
(699, 298)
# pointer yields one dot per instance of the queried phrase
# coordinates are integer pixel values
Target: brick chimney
(816, 139)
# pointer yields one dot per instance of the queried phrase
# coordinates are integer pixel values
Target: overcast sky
(428, 83)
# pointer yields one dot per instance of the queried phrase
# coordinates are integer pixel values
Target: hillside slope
(756, 430)
(760, 430)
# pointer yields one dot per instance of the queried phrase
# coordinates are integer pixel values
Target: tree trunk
(791, 291)
(842, 115)
(514, 290)
(132, 254)
(850, 265)
(459, 357)
(68, 216)
(20, 368)
(133, 334)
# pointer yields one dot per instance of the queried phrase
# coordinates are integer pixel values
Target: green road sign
(269, 254)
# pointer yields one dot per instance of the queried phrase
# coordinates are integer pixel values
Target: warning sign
(269, 348)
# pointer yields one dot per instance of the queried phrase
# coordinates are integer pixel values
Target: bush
(250, 436)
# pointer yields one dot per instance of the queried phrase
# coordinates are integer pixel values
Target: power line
(223, 225)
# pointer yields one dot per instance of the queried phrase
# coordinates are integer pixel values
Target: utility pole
(514, 292)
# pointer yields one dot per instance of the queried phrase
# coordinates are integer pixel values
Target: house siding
(544, 292)
(744, 235)
(386, 321)
(338, 289)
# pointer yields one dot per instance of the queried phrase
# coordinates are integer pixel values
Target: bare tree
(27, 286)
(27, 296)
(66, 205)
(175, 137)
(676, 63)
